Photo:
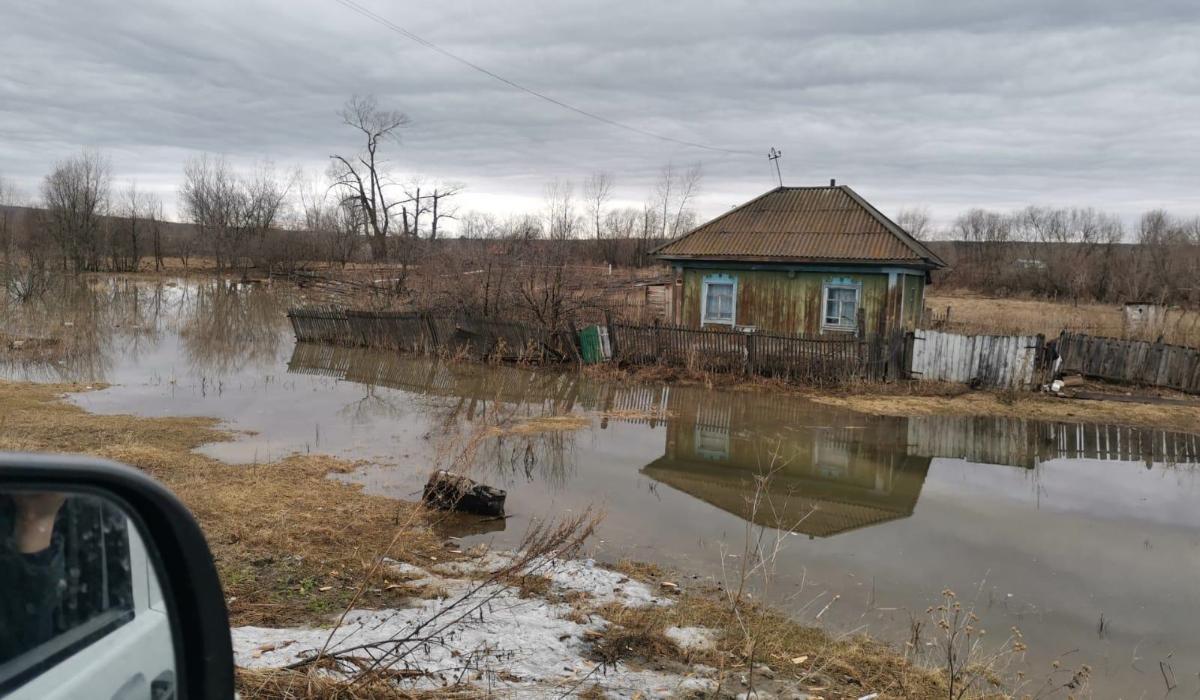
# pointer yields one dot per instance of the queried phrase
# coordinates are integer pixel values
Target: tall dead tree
(362, 178)
(440, 210)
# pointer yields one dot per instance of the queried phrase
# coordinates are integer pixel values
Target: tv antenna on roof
(775, 156)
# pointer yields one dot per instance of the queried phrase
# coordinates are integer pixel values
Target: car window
(65, 578)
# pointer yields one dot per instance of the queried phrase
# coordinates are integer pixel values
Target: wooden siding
(772, 300)
(914, 300)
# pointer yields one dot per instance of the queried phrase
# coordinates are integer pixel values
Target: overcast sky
(946, 105)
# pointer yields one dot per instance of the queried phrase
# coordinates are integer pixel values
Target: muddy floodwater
(1085, 537)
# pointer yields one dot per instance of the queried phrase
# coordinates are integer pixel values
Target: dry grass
(291, 545)
(832, 668)
(278, 684)
(970, 313)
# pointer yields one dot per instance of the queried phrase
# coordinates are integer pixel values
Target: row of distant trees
(1070, 253)
(359, 209)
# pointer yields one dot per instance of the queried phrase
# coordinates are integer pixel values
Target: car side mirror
(107, 587)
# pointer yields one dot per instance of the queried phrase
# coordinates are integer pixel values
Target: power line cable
(352, 5)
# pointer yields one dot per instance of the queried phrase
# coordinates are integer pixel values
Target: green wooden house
(802, 260)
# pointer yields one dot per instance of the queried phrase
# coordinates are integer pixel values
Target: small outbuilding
(800, 260)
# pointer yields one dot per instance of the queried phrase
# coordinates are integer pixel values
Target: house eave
(800, 262)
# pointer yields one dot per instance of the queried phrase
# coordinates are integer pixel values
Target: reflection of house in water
(837, 470)
(832, 471)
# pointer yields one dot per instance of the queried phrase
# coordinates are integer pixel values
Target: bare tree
(75, 197)
(673, 193)
(477, 225)
(233, 214)
(916, 221)
(154, 223)
(562, 223)
(124, 243)
(211, 200)
(362, 178)
(597, 191)
(333, 222)
(440, 210)
(8, 217)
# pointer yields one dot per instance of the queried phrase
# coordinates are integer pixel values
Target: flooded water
(1085, 537)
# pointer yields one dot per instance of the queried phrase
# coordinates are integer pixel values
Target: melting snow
(541, 651)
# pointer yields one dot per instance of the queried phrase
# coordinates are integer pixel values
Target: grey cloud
(948, 105)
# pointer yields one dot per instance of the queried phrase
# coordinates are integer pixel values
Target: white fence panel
(993, 361)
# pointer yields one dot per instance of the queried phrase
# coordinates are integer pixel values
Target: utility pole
(775, 156)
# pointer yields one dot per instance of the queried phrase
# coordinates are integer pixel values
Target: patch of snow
(602, 585)
(541, 652)
(691, 638)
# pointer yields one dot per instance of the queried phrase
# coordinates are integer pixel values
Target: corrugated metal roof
(802, 224)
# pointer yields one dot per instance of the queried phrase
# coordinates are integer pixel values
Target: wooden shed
(809, 260)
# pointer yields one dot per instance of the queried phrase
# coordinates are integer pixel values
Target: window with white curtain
(720, 299)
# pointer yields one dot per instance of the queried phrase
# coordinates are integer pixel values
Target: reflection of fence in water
(1025, 443)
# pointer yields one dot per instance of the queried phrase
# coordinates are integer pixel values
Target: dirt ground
(972, 313)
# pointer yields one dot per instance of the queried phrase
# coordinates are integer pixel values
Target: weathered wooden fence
(1132, 361)
(813, 359)
(418, 332)
(819, 359)
(992, 361)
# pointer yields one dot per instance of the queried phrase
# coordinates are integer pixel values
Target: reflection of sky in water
(1046, 525)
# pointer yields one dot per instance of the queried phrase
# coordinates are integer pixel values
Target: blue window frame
(839, 304)
(718, 299)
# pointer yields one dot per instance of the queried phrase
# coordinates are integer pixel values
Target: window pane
(841, 306)
(719, 302)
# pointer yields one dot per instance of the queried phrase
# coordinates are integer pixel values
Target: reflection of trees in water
(475, 432)
(79, 327)
(371, 407)
(547, 457)
(226, 326)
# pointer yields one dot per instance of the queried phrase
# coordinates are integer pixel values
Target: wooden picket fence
(1132, 361)
(810, 359)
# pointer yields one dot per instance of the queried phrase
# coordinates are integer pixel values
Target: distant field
(971, 313)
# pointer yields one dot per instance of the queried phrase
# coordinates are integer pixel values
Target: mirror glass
(81, 610)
